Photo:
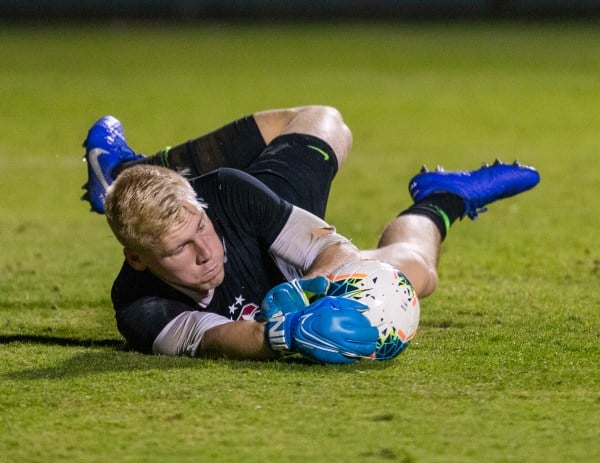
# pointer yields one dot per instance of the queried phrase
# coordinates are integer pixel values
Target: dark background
(297, 9)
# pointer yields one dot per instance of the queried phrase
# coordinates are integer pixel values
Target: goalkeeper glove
(293, 296)
(331, 330)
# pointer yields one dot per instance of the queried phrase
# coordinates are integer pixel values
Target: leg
(300, 163)
(299, 169)
(236, 145)
(239, 143)
(323, 122)
(412, 241)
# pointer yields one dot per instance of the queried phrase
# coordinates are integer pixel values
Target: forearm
(331, 258)
(243, 339)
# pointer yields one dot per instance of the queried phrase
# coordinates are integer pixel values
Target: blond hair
(145, 202)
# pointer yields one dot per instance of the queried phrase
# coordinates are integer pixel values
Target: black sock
(441, 208)
(234, 145)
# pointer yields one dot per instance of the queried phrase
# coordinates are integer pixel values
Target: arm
(205, 334)
(243, 339)
(331, 258)
(306, 241)
(332, 330)
(309, 244)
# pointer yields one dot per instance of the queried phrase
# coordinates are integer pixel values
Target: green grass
(505, 366)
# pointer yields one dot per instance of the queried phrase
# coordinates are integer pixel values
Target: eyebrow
(201, 220)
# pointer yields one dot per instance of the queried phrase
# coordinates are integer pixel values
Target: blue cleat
(105, 148)
(477, 188)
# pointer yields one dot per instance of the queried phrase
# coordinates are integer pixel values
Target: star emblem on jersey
(232, 309)
(247, 311)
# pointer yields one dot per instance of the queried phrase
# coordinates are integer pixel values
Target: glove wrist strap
(279, 329)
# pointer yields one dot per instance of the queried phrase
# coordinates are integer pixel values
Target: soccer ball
(393, 305)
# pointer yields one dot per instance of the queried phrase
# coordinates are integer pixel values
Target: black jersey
(247, 216)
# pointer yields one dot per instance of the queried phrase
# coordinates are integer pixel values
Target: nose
(203, 251)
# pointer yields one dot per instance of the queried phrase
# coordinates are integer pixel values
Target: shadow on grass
(120, 359)
(97, 362)
(58, 341)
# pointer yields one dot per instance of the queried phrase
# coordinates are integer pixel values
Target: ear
(134, 260)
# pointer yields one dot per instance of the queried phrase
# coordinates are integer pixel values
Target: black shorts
(299, 168)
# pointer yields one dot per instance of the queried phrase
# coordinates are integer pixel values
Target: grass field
(506, 364)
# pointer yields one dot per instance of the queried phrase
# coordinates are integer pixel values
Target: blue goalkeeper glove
(331, 330)
(293, 296)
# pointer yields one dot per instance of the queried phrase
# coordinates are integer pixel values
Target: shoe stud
(424, 169)
(517, 163)
(485, 164)
(497, 162)
(439, 169)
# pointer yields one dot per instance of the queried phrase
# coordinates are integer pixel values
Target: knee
(428, 282)
(420, 271)
(334, 130)
(345, 137)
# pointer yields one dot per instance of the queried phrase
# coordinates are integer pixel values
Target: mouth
(209, 275)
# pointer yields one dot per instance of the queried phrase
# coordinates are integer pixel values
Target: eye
(176, 251)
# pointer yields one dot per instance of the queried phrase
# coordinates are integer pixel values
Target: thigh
(299, 168)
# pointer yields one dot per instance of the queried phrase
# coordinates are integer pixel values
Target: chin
(212, 284)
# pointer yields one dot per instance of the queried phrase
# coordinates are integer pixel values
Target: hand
(331, 330)
(293, 296)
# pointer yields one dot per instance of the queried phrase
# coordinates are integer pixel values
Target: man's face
(189, 255)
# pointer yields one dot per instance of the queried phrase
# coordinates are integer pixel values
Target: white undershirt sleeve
(301, 240)
(183, 334)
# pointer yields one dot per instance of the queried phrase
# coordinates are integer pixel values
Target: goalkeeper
(245, 228)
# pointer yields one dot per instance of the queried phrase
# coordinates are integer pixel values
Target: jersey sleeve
(183, 334)
(303, 237)
(141, 321)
